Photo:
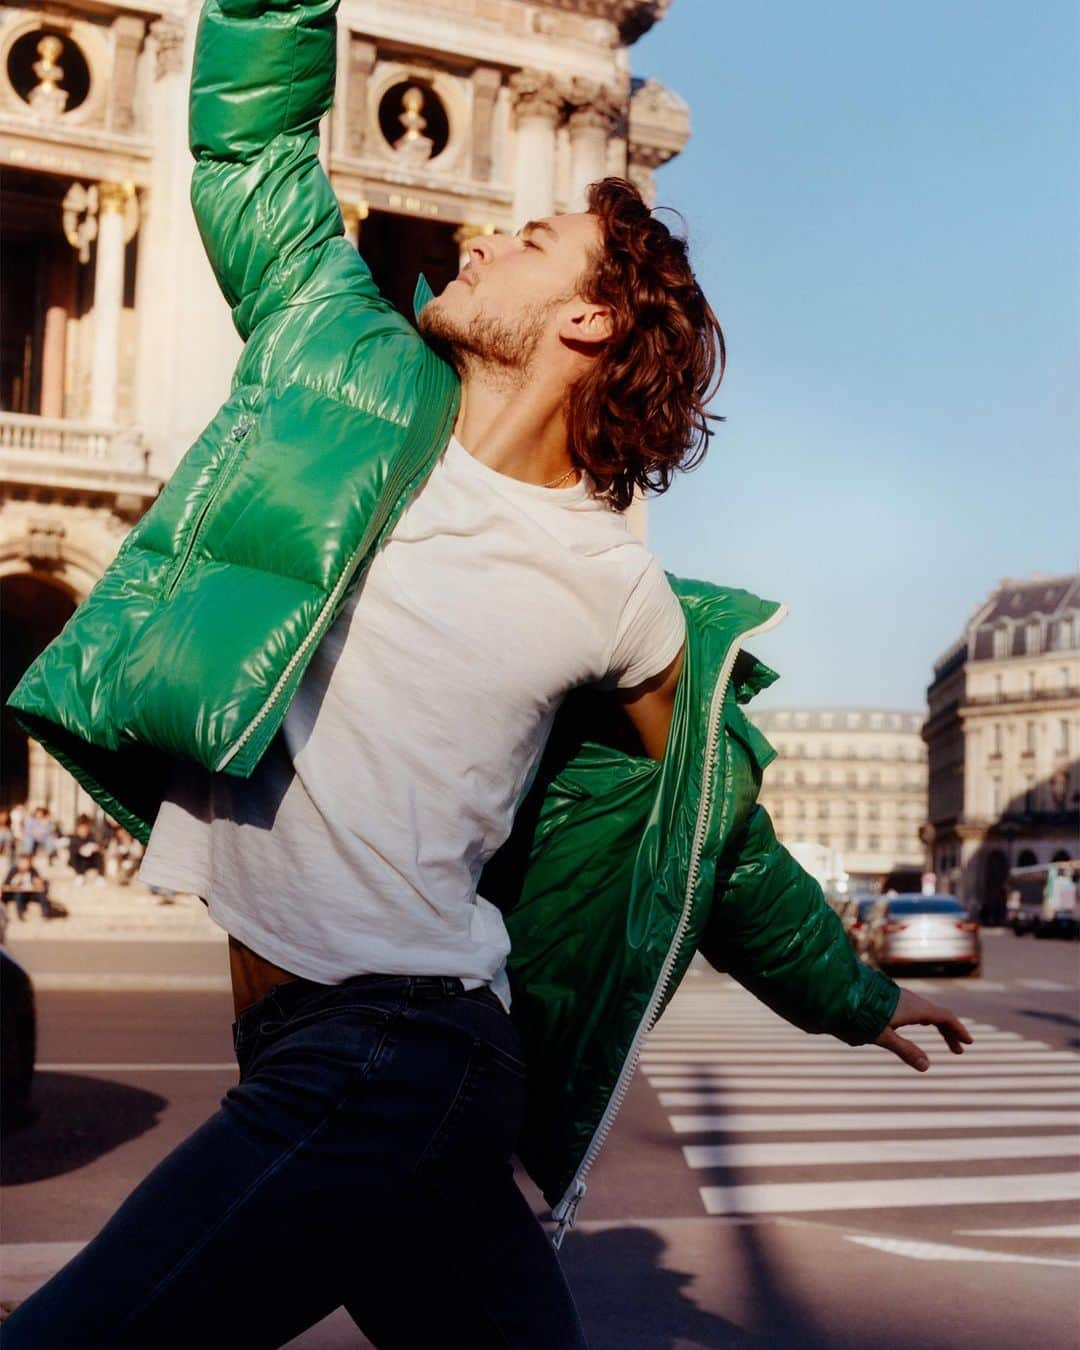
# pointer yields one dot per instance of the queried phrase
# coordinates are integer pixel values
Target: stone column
(538, 105)
(108, 301)
(594, 110)
(362, 56)
(128, 32)
(54, 344)
(643, 161)
(485, 82)
(354, 214)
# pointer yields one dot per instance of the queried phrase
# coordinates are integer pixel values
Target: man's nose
(484, 248)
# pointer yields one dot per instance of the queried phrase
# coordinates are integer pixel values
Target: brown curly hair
(639, 414)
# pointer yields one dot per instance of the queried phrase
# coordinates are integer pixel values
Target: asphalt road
(761, 1187)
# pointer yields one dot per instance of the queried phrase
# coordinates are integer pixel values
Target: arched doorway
(33, 609)
(1026, 858)
(1061, 855)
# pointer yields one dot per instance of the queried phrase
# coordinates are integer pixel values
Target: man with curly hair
(454, 907)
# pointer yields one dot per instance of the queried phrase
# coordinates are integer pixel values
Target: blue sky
(883, 204)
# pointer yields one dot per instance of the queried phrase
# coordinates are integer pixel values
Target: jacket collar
(421, 295)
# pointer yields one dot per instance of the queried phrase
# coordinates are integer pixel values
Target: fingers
(953, 1030)
(904, 1049)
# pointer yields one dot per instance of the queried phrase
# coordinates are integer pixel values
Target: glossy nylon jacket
(194, 640)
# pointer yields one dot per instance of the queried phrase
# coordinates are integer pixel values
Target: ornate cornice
(632, 18)
(659, 124)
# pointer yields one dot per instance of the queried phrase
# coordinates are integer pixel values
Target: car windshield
(926, 904)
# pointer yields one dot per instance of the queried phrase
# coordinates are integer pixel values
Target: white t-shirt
(357, 843)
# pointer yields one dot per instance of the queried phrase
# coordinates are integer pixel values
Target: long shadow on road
(74, 1119)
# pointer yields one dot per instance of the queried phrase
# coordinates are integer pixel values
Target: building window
(1063, 636)
(1029, 737)
(1063, 737)
(1032, 633)
(1029, 796)
(995, 796)
(800, 777)
(800, 810)
(823, 810)
(872, 811)
(1064, 679)
(851, 841)
(999, 687)
(851, 778)
(997, 738)
(1001, 642)
(875, 778)
(1031, 684)
(873, 842)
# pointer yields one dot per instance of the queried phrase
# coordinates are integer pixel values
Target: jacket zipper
(565, 1212)
(235, 437)
(401, 474)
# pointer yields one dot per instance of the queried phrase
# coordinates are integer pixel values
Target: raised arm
(263, 77)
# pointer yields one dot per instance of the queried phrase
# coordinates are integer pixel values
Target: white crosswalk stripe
(847, 1151)
(901, 1097)
(801, 1196)
(726, 1070)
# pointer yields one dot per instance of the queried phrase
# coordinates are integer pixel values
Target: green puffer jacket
(619, 867)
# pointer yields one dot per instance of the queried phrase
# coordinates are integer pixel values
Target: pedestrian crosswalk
(773, 1121)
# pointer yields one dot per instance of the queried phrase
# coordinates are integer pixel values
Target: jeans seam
(448, 1115)
(263, 1176)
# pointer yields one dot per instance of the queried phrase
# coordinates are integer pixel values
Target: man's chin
(437, 325)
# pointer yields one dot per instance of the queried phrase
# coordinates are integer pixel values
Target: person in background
(7, 839)
(18, 824)
(39, 833)
(126, 854)
(85, 853)
(24, 883)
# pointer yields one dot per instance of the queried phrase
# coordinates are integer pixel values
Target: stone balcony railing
(42, 453)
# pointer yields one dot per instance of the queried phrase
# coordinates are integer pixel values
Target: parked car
(1042, 899)
(18, 1040)
(924, 930)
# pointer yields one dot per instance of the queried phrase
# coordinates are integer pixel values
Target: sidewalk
(119, 937)
(111, 911)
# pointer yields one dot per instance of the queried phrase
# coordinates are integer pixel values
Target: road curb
(134, 983)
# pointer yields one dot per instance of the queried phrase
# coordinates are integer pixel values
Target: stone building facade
(849, 785)
(1003, 740)
(452, 118)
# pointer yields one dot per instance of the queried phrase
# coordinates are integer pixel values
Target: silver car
(924, 930)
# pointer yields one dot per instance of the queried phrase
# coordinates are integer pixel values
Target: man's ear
(586, 322)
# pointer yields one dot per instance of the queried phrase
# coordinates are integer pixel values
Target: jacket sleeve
(262, 79)
(772, 930)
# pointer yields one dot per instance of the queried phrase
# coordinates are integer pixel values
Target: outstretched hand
(916, 1010)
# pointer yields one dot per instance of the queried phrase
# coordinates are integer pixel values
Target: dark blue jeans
(362, 1159)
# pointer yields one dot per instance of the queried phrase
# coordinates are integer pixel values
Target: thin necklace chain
(556, 481)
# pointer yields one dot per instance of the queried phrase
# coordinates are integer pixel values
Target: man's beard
(486, 346)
